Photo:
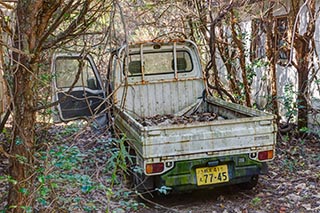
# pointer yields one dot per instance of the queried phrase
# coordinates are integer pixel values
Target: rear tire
(141, 183)
(138, 181)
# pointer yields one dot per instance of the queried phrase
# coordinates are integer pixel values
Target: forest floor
(83, 171)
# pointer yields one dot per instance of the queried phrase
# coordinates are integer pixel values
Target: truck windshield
(158, 63)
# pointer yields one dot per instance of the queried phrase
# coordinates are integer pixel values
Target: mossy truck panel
(229, 144)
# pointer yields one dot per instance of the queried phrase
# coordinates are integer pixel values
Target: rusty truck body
(181, 137)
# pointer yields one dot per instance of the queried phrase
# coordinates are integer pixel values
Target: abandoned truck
(181, 138)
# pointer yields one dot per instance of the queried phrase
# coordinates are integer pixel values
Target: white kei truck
(181, 137)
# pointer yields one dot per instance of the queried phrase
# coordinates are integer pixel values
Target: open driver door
(78, 88)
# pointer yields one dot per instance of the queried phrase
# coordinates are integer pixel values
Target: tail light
(265, 155)
(154, 168)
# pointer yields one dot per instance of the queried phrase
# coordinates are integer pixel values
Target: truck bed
(236, 130)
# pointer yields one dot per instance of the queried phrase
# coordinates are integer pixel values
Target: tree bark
(271, 55)
(227, 55)
(22, 146)
(28, 28)
(36, 23)
(242, 60)
(303, 47)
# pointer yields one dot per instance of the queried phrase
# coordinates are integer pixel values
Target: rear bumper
(182, 177)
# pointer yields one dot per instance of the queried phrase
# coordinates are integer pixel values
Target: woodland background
(262, 54)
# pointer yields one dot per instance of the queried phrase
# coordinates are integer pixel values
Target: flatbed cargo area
(171, 119)
(201, 111)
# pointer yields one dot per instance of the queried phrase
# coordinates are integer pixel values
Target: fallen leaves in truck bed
(170, 119)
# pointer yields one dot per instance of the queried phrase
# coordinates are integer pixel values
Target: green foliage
(130, 205)
(7, 178)
(256, 201)
(118, 158)
(289, 102)
(71, 129)
(286, 138)
(251, 68)
(18, 141)
(27, 209)
(21, 159)
(290, 164)
(46, 78)
(295, 157)
(164, 190)
(24, 191)
(69, 172)
(305, 130)
(65, 157)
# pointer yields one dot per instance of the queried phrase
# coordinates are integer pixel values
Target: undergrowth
(79, 170)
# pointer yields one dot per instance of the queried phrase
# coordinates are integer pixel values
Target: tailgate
(217, 138)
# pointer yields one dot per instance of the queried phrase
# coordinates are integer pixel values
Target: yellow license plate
(212, 175)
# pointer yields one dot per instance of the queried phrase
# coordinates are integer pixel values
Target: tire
(138, 181)
(141, 183)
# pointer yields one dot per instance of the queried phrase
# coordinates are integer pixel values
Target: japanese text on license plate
(212, 175)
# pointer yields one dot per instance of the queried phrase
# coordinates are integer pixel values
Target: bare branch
(7, 6)
(71, 28)
(56, 23)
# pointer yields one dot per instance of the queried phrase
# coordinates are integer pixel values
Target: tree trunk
(36, 22)
(21, 160)
(303, 47)
(302, 57)
(242, 60)
(21, 194)
(227, 55)
(303, 97)
(271, 55)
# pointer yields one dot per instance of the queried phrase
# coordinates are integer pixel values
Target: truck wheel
(249, 185)
(141, 183)
(138, 180)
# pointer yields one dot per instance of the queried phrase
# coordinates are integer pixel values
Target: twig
(157, 204)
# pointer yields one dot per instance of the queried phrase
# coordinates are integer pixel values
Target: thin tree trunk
(303, 94)
(242, 60)
(224, 50)
(303, 47)
(271, 55)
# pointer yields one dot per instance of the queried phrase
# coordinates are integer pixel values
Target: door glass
(66, 73)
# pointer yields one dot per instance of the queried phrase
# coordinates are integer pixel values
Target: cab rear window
(153, 63)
